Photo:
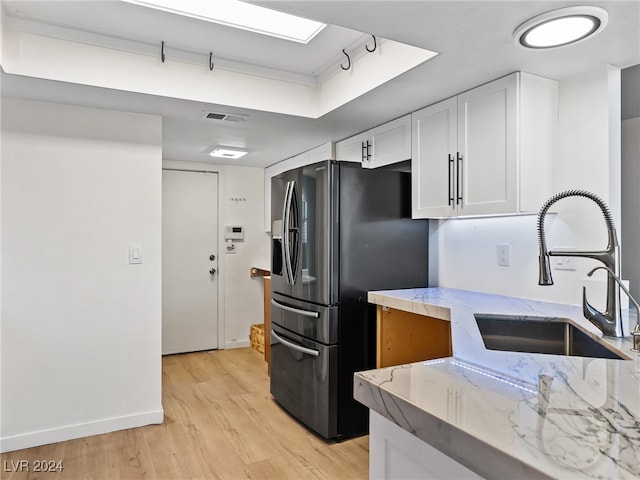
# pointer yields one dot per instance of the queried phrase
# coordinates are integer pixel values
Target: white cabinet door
(383, 145)
(488, 148)
(488, 151)
(389, 143)
(433, 163)
(352, 149)
(396, 454)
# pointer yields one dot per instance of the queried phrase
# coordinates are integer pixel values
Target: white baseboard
(54, 435)
(237, 344)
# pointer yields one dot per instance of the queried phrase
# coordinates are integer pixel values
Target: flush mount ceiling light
(220, 152)
(561, 27)
(245, 16)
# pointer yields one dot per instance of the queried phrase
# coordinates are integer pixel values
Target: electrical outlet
(504, 254)
(563, 263)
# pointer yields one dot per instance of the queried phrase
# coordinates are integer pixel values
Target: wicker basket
(256, 337)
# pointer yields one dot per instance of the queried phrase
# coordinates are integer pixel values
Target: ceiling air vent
(226, 117)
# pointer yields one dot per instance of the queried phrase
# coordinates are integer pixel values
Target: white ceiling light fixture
(224, 152)
(245, 16)
(561, 27)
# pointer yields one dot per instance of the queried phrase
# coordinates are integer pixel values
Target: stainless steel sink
(550, 335)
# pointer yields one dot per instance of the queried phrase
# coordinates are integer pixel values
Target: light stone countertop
(507, 414)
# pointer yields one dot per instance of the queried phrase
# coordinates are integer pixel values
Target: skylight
(245, 16)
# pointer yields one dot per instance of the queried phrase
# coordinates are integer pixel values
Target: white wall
(80, 330)
(587, 153)
(79, 62)
(241, 297)
(244, 295)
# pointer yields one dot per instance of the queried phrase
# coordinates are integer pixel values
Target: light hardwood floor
(220, 422)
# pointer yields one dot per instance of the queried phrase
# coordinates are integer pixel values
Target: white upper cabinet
(433, 160)
(488, 151)
(318, 154)
(353, 149)
(383, 145)
(389, 143)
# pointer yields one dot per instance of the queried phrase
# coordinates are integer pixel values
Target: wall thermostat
(234, 232)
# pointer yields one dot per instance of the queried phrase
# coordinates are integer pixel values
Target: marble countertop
(508, 414)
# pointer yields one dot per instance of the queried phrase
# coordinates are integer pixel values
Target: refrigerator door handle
(295, 346)
(304, 313)
(285, 232)
(294, 230)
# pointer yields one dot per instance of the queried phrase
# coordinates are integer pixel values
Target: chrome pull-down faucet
(609, 321)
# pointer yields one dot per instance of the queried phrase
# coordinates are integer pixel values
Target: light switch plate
(504, 254)
(135, 253)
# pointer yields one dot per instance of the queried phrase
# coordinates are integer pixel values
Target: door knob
(212, 257)
(212, 271)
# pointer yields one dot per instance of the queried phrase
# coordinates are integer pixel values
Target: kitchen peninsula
(497, 414)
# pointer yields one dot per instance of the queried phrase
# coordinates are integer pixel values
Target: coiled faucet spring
(609, 322)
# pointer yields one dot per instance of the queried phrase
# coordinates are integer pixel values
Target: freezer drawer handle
(305, 313)
(294, 346)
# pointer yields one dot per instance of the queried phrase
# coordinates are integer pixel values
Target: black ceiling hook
(375, 45)
(348, 59)
(162, 52)
(211, 61)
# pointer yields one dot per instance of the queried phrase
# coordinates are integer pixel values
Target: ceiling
(474, 40)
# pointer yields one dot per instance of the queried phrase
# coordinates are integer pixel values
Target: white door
(189, 261)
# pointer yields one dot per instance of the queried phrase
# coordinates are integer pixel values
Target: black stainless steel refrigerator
(338, 231)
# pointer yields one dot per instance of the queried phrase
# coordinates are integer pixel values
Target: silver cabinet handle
(459, 180)
(304, 313)
(366, 155)
(450, 180)
(295, 346)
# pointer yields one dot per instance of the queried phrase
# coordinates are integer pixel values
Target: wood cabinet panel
(405, 337)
